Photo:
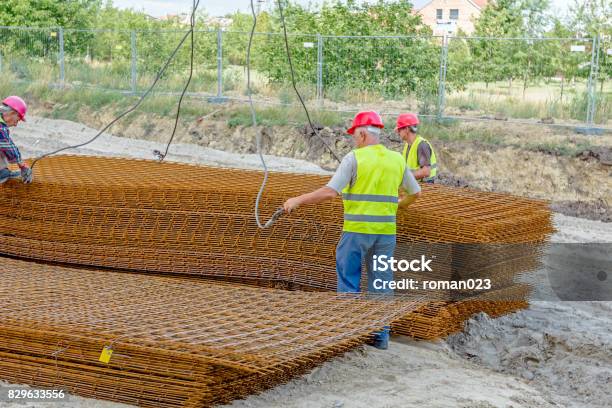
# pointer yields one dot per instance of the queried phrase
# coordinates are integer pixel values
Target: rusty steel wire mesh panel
(434, 320)
(197, 220)
(176, 341)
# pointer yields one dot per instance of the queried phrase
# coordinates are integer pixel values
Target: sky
(158, 8)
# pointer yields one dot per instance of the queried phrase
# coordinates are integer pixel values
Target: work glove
(26, 175)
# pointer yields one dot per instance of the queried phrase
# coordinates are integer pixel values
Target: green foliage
(49, 13)
(591, 17)
(281, 116)
(392, 66)
(355, 70)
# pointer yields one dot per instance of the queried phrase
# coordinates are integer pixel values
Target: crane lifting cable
(160, 155)
(143, 96)
(279, 211)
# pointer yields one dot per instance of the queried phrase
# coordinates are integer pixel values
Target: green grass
(540, 102)
(451, 131)
(281, 116)
(520, 109)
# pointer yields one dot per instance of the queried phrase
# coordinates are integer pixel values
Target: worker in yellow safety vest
(369, 179)
(418, 153)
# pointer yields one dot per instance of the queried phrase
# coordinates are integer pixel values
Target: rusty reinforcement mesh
(176, 341)
(197, 220)
(169, 217)
(185, 341)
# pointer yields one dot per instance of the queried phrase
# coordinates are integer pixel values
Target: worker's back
(370, 204)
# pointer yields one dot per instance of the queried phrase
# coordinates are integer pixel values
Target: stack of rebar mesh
(196, 221)
(165, 341)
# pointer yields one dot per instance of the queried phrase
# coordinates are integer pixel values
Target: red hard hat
(406, 119)
(17, 104)
(367, 118)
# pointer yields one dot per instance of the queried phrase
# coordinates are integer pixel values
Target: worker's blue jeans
(352, 251)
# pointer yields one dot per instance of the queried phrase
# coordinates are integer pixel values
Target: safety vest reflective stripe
(373, 198)
(369, 218)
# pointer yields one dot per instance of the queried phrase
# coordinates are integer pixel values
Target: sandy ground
(554, 354)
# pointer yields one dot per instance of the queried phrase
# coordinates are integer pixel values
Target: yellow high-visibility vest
(370, 205)
(412, 159)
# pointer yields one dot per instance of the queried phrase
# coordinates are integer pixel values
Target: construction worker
(369, 179)
(418, 153)
(12, 110)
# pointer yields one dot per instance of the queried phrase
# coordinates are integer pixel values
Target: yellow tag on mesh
(106, 354)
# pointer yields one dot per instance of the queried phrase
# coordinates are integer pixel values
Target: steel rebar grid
(176, 341)
(196, 220)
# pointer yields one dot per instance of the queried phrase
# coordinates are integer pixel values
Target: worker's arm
(8, 149)
(422, 173)
(322, 194)
(407, 199)
(343, 176)
(409, 191)
(424, 156)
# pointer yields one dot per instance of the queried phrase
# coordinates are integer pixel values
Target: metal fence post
(592, 103)
(442, 77)
(219, 63)
(62, 73)
(134, 60)
(0, 62)
(320, 69)
(219, 98)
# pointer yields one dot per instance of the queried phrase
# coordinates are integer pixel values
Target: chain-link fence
(541, 78)
(536, 80)
(30, 54)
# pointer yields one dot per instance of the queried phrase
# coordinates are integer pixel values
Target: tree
(49, 13)
(561, 61)
(591, 17)
(392, 66)
(498, 59)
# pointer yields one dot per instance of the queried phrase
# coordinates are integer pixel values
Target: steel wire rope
(133, 108)
(180, 102)
(279, 211)
(291, 70)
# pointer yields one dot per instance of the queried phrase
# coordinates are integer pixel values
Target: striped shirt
(9, 153)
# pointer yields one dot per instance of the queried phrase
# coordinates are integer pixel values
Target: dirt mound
(597, 210)
(572, 367)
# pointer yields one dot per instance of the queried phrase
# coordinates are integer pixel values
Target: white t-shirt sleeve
(345, 173)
